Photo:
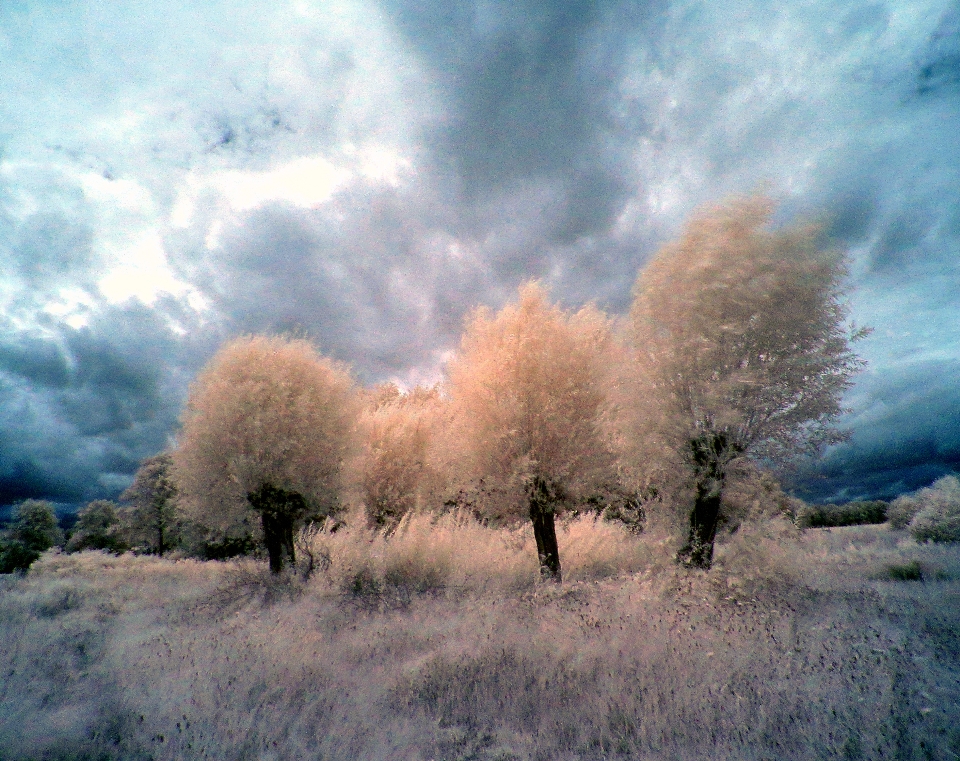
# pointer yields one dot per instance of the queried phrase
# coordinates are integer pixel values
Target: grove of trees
(737, 350)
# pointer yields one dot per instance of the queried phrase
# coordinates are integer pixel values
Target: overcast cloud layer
(175, 174)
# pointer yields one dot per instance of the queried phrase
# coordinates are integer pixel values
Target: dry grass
(453, 554)
(795, 646)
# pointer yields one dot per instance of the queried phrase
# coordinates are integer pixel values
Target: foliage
(530, 389)
(453, 554)
(743, 348)
(911, 571)
(938, 519)
(396, 472)
(35, 525)
(33, 530)
(849, 514)
(15, 556)
(268, 427)
(150, 521)
(97, 528)
(902, 510)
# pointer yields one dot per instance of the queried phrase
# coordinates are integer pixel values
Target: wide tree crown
(530, 389)
(265, 411)
(743, 329)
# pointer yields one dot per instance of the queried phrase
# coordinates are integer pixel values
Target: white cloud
(143, 273)
(305, 183)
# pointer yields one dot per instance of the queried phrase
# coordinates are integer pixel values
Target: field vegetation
(442, 642)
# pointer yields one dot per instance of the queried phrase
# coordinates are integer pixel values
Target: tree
(97, 528)
(529, 387)
(397, 473)
(742, 334)
(34, 530)
(150, 521)
(268, 426)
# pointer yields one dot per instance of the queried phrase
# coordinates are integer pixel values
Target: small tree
(97, 528)
(150, 521)
(396, 471)
(529, 387)
(34, 530)
(268, 426)
(741, 332)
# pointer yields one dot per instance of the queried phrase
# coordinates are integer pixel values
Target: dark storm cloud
(82, 407)
(905, 435)
(939, 60)
(533, 95)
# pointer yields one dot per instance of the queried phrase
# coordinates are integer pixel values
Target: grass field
(440, 643)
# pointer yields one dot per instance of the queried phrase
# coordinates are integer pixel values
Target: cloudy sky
(174, 173)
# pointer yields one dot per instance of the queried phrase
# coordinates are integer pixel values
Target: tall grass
(795, 646)
(453, 553)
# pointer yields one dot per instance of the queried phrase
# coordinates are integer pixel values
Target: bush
(902, 510)
(933, 514)
(939, 517)
(97, 529)
(906, 572)
(849, 514)
(15, 556)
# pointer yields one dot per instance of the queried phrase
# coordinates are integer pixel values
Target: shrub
(902, 510)
(906, 572)
(849, 514)
(939, 517)
(16, 556)
(97, 529)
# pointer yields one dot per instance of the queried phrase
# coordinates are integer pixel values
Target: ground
(837, 643)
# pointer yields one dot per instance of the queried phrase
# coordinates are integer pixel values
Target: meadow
(440, 642)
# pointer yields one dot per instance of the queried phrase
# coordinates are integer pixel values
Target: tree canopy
(530, 391)
(741, 331)
(268, 426)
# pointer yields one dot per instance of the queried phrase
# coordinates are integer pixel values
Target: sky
(174, 174)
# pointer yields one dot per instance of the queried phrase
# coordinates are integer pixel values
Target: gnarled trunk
(545, 530)
(279, 511)
(711, 453)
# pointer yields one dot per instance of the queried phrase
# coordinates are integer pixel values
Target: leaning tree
(268, 426)
(530, 393)
(741, 332)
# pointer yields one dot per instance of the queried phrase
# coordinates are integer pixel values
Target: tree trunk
(279, 510)
(158, 506)
(711, 452)
(278, 536)
(545, 530)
